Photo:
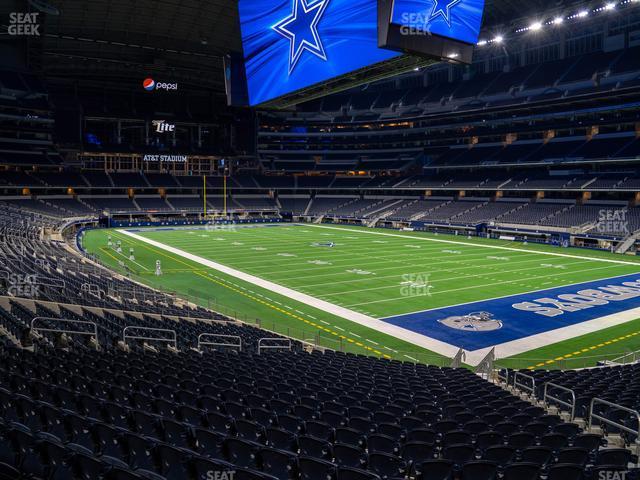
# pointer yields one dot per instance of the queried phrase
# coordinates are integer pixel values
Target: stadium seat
(86, 467)
(573, 455)
(348, 473)
(241, 452)
(208, 443)
(459, 454)
(386, 466)
(348, 456)
(315, 447)
(522, 471)
(489, 439)
(590, 441)
(382, 444)
(613, 456)
(499, 454)
(479, 470)
(538, 455)
(316, 469)
(416, 453)
(279, 463)
(436, 470)
(563, 471)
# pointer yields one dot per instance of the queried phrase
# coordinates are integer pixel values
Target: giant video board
(290, 45)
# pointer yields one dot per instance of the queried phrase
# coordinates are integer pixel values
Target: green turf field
(377, 273)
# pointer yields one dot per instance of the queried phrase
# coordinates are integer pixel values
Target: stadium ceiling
(111, 41)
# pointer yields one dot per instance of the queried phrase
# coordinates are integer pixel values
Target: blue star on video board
(456, 19)
(443, 8)
(289, 45)
(301, 29)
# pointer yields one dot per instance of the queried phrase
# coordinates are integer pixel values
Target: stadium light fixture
(535, 26)
(482, 43)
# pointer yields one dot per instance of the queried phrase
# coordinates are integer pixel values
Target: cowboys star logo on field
(301, 29)
(473, 322)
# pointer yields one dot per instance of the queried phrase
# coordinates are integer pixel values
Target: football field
(406, 295)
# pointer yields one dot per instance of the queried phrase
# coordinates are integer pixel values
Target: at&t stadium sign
(166, 158)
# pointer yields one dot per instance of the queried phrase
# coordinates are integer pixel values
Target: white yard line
(365, 320)
(374, 267)
(455, 242)
(510, 295)
(450, 269)
(503, 350)
(431, 282)
(473, 287)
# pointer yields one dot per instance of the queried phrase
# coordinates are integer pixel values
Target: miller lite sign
(161, 126)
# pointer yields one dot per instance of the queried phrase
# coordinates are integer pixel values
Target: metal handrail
(173, 340)
(94, 333)
(42, 263)
(274, 347)
(92, 289)
(622, 359)
(593, 416)
(55, 282)
(522, 386)
(504, 378)
(571, 406)
(216, 344)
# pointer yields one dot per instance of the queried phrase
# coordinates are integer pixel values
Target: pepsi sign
(149, 84)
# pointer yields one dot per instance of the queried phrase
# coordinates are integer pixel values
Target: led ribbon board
(292, 44)
(454, 19)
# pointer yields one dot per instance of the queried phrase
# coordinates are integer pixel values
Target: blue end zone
(510, 318)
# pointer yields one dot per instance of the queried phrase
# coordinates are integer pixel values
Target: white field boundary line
(501, 282)
(544, 339)
(506, 349)
(493, 247)
(422, 267)
(439, 280)
(521, 345)
(510, 295)
(458, 258)
(304, 267)
(400, 333)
